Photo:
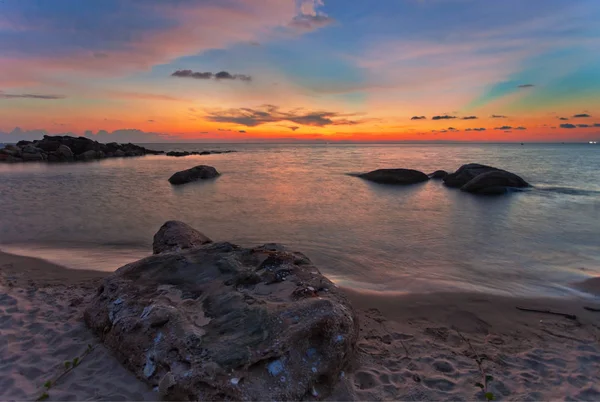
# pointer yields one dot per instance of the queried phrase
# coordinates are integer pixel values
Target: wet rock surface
(224, 322)
(65, 148)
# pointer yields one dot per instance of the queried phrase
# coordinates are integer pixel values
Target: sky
(249, 70)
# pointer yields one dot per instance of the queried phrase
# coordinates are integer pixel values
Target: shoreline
(410, 345)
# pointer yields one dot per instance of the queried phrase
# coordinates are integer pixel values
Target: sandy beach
(411, 347)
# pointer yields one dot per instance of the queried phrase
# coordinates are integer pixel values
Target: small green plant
(68, 365)
(486, 378)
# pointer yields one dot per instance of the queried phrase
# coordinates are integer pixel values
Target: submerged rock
(177, 236)
(196, 173)
(395, 176)
(438, 174)
(193, 325)
(483, 179)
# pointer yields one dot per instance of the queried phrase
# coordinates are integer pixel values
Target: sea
(370, 237)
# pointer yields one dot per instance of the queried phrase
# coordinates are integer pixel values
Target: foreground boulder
(438, 174)
(222, 322)
(395, 176)
(483, 179)
(64, 148)
(200, 172)
(177, 236)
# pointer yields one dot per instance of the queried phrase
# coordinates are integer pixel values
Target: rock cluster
(217, 321)
(473, 178)
(67, 149)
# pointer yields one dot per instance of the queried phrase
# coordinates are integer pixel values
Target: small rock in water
(235, 381)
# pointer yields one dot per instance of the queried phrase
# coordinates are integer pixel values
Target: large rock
(11, 150)
(196, 173)
(222, 322)
(177, 236)
(89, 155)
(483, 179)
(466, 173)
(395, 176)
(29, 156)
(64, 152)
(494, 182)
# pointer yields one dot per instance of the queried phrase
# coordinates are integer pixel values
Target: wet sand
(411, 347)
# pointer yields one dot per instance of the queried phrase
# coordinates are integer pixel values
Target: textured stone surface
(225, 322)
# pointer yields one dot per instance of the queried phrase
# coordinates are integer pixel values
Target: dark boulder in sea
(494, 182)
(177, 236)
(65, 148)
(196, 173)
(395, 176)
(223, 322)
(438, 174)
(483, 179)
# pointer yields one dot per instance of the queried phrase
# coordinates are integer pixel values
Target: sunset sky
(149, 70)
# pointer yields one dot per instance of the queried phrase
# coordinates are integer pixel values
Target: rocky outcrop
(483, 179)
(67, 149)
(222, 322)
(200, 172)
(186, 153)
(395, 176)
(438, 174)
(177, 236)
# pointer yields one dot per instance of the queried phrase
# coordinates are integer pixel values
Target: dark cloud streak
(30, 96)
(221, 75)
(272, 114)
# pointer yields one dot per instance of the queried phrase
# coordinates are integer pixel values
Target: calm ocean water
(425, 237)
